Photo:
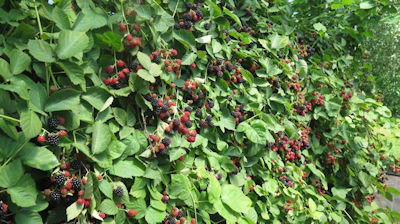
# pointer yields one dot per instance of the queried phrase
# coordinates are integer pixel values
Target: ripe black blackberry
(188, 5)
(176, 122)
(188, 109)
(53, 139)
(166, 141)
(157, 59)
(188, 124)
(177, 26)
(60, 179)
(53, 122)
(210, 69)
(119, 191)
(164, 108)
(133, 65)
(117, 85)
(199, 113)
(76, 183)
(180, 214)
(147, 97)
(209, 117)
(207, 26)
(203, 123)
(229, 67)
(55, 196)
(220, 74)
(76, 165)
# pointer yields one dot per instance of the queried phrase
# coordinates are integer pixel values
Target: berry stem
(176, 8)
(123, 16)
(38, 19)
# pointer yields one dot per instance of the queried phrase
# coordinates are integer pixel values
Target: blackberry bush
(207, 112)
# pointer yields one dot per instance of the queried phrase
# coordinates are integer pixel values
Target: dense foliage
(183, 112)
(381, 64)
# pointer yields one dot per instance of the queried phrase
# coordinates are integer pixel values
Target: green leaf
(30, 124)
(319, 26)
(311, 205)
(278, 41)
(186, 38)
(101, 137)
(144, 60)
(234, 198)
(74, 210)
(108, 207)
(66, 99)
(33, 155)
(96, 96)
(154, 216)
(11, 173)
(340, 192)
(24, 193)
(233, 16)
(366, 5)
(182, 188)
(71, 43)
(110, 39)
(213, 189)
(41, 50)
(225, 211)
(5, 69)
(128, 168)
(144, 74)
(73, 71)
(106, 188)
(61, 18)
(28, 217)
(19, 61)
(364, 178)
(189, 58)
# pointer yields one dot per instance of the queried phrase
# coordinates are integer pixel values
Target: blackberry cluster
(76, 165)
(225, 34)
(169, 220)
(119, 191)
(160, 107)
(166, 141)
(53, 122)
(245, 28)
(60, 179)
(207, 122)
(55, 196)
(156, 57)
(275, 83)
(193, 14)
(287, 181)
(304, 50)
(53, 139)
(199, 113)
(239, 114)
(76, 183)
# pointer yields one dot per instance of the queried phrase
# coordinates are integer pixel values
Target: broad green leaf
(71, 43)
(144, 74)
(278, 41)
(19, 61)
(67, 99)
(128, 168)
(96, 96)
(30, 124)
(213, 189)
(5, 69)
(11, 173)
(41, 50)
(189, 58)
(28, 217)
(233, 16)
(366, 5)
(24, 193)
(225, 211)
(110, 39)
(154, 216)
(101, 137)
(106, 188)
(234, 198)
(182, 188)
(108, 206)
(73, 211)
(340, 192)
(144, 60)
(319, 26)
(186, 38)
(33, 155)
(60, 18)
(73, 71)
